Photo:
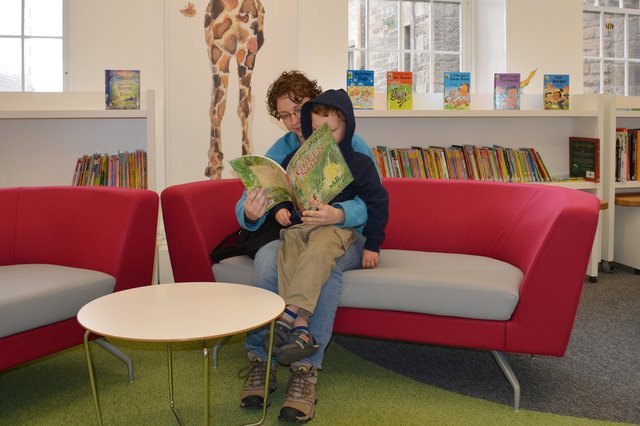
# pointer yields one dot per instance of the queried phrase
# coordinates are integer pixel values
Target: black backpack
(243, 242)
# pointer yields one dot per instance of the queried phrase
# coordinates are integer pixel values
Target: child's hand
(283, 217)
(369, 259)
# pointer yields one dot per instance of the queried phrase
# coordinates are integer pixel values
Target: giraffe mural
(232, 28)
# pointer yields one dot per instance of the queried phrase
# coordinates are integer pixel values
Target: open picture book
(316, 171)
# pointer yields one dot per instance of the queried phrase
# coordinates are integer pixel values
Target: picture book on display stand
(457, 86)
(399, 90)
(122, 89)
(506, 91)
(360, 88)
(556, 91)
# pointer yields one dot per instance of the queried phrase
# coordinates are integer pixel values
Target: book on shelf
(506, 91)
(399, 90)
(316, 171)
(124, 170)
(556, 91)
(122, 89)
(627, 155)
(464, 162)
(360, 88)
(457, 86)
(584, 158)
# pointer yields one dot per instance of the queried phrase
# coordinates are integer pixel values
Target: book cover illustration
(360, 88)
(122, 89)
(399, 89)
(317, 171)
(506, 91)
(556, 91)
(584, 158)
(456, 90)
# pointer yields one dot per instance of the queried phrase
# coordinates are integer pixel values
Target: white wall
(545, 34)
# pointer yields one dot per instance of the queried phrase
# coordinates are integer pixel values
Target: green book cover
(122, 89)
(316, 171)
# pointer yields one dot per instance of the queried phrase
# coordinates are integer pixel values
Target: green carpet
(352, 391)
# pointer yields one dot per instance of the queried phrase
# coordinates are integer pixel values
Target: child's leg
(314, 264)
(294, 242)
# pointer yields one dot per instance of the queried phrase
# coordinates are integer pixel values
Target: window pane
(357, 60)
(357, 23)
(443, 63)
(613, 78)
(43, 18)
(633, 38)
(418, 63)
(613, 38)
(589, 2)
(610, 3)
(11, 17)
(417, 22)
(43, 65)
(591, 33)
(631, 4)
(382, 62)
(446, 22)
(10, 65)
(383, 24)
(634, 79)
(591, 82)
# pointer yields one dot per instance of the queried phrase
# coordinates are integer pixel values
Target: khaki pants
(307, 255)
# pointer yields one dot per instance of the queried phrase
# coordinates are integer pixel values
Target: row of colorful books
(627, 155)
(467, 162)
(457, 90)
(125, 170)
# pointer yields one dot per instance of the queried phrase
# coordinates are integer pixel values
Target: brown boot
(252, 396)
(300, 399)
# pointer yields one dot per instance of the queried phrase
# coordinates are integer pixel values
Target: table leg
(94, 390)
(172, 404)
(265, 402)
(205, 357)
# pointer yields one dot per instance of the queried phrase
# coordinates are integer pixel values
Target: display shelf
(546, 131)
(619, 112)
(43, 134)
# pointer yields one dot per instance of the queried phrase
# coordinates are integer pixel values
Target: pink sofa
(491, 266)
(88, 230)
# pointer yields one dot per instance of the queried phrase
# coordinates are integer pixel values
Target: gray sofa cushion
(33, 295)
(413, 281)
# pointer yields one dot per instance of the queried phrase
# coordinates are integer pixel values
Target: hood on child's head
(338, 99)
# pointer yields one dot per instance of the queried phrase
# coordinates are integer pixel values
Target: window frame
(465, 54)
(22, 37)
(601, 59)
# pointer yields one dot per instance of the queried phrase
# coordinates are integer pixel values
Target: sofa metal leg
(217, 348)
(118, 354)
(503, 363)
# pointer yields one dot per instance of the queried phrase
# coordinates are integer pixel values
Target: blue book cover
(122, 89)
(457, 87)
(360, 87)
(506, 91)
(556, 91)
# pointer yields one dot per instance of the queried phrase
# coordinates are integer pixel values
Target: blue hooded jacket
(366, 180)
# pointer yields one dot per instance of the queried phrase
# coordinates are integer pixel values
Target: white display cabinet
(546, 131)
(43, 134)
(620, 111)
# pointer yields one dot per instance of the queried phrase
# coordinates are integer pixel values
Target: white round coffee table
(177, 313)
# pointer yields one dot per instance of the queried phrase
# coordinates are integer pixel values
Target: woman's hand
(323, 215)
(255, 206)
(369, 259)
(283, 217)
